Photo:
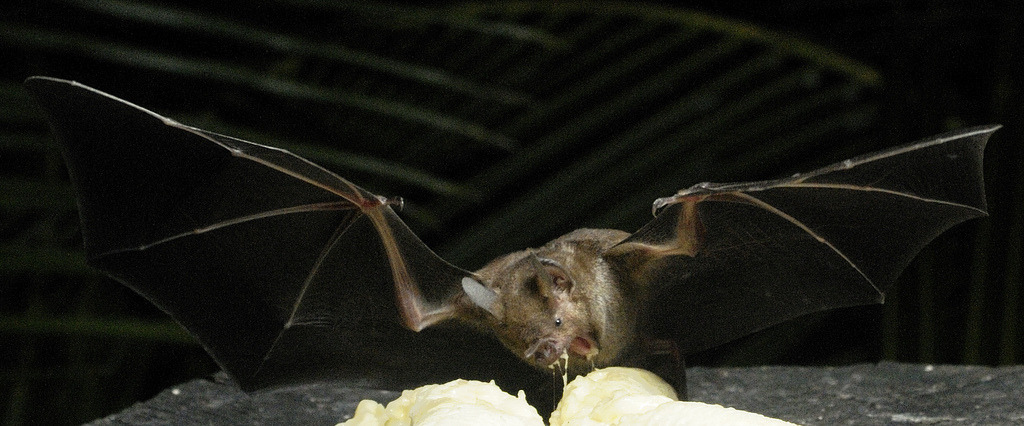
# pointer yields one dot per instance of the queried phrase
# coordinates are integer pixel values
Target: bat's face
(543, 313)
(558, 299)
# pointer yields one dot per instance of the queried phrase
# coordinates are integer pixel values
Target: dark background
(505, 125)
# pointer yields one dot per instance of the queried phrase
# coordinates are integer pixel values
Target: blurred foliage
(503, 126)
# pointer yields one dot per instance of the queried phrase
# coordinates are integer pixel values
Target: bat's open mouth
(545, 352)
(583, 346)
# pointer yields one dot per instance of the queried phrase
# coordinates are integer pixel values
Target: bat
(288, 273)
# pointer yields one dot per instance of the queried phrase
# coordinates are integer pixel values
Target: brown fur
(591, 300)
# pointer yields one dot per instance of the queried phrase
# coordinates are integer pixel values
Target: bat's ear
(553, 281)
(482, 296)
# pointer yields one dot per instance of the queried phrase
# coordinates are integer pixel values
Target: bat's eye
(558, 322)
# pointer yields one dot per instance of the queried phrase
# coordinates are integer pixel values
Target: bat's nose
(545, 352)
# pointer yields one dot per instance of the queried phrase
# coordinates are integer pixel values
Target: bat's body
(286, 272)
(564, 297)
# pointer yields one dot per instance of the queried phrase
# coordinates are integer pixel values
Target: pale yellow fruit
(594, 399)
(631, 396)
(459, 402)
(616, 396)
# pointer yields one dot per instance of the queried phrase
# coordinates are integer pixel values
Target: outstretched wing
(726, 260)
(281, 268)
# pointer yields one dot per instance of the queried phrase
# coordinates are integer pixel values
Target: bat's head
(558, 299)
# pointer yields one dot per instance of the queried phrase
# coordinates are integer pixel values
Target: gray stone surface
(863, 394)
(868, 394)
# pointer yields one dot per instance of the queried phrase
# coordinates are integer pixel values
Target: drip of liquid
(563, 361)
(561, 365)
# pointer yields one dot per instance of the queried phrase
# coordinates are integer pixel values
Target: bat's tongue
(583, 346)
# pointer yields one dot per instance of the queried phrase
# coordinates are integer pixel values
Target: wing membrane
(285, 271)
(838, 236)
